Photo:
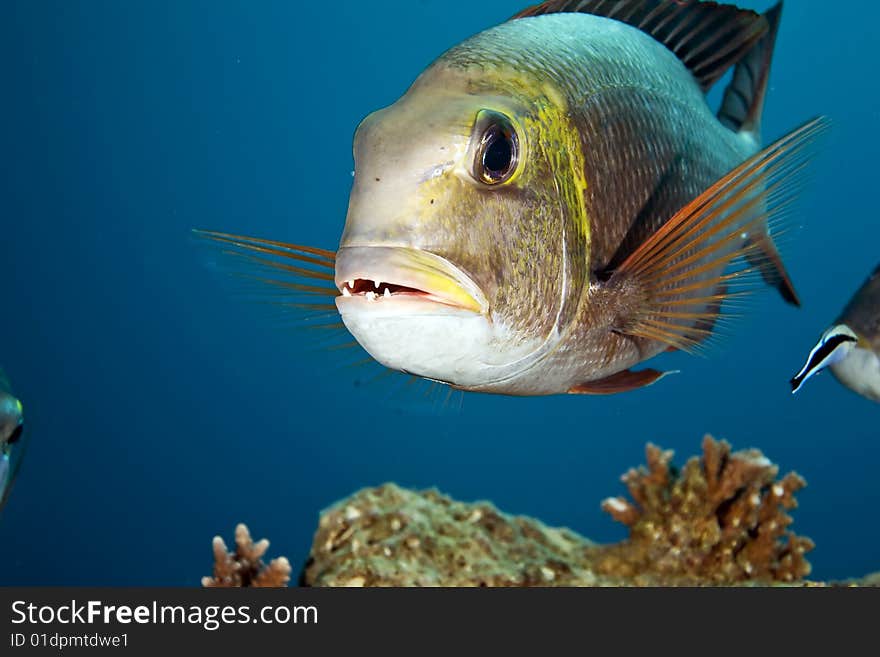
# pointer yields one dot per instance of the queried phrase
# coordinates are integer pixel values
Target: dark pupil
(498, 154)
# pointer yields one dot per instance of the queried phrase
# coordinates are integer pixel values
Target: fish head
(466, 245)
(11, 420)
(834, 346)
(11, 445)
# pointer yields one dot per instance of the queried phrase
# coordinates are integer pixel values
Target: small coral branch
(245, 566)
(721, 520)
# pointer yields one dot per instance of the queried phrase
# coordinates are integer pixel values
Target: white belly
(860, 372)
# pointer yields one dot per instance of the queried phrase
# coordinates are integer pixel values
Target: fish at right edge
(850, 348)
(11, 443)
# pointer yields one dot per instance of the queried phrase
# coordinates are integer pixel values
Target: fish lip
(429, 278)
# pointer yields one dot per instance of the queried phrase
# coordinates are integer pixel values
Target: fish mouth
(386, 276)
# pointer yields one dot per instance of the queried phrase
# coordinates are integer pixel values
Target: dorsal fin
(707, 37)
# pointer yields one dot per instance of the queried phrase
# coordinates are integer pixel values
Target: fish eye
(497, 153)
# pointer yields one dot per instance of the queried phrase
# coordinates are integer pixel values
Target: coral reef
(721, 520)
(388, 536)
(245, 566)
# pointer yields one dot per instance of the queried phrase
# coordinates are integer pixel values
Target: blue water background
(163, 408)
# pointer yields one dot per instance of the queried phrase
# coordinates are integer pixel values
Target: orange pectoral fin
(621, 382)
(687, 267)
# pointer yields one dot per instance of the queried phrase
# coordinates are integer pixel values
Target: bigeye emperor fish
(11, 443)
(553, 201)
(850, 348)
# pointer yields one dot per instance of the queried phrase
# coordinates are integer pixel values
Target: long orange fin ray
(735, 214)
(244, 250)
(253, 242)
(669, 234)
(729, 222)
(683, 240)
(290, 269)
(308, 289)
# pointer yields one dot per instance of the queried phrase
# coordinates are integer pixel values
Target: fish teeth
(350, 284)
(387, 293)
(345, 291)
(371, 296)
(376, 284)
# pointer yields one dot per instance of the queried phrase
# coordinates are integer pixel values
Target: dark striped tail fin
(744, 98)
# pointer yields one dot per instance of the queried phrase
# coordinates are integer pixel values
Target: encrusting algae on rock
(245, 566)
(721, 521)
(389, 536)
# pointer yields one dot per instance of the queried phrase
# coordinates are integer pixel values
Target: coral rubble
(245, 566)
(721, 520)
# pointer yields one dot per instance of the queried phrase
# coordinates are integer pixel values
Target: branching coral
(721, 520)
(245, 566)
